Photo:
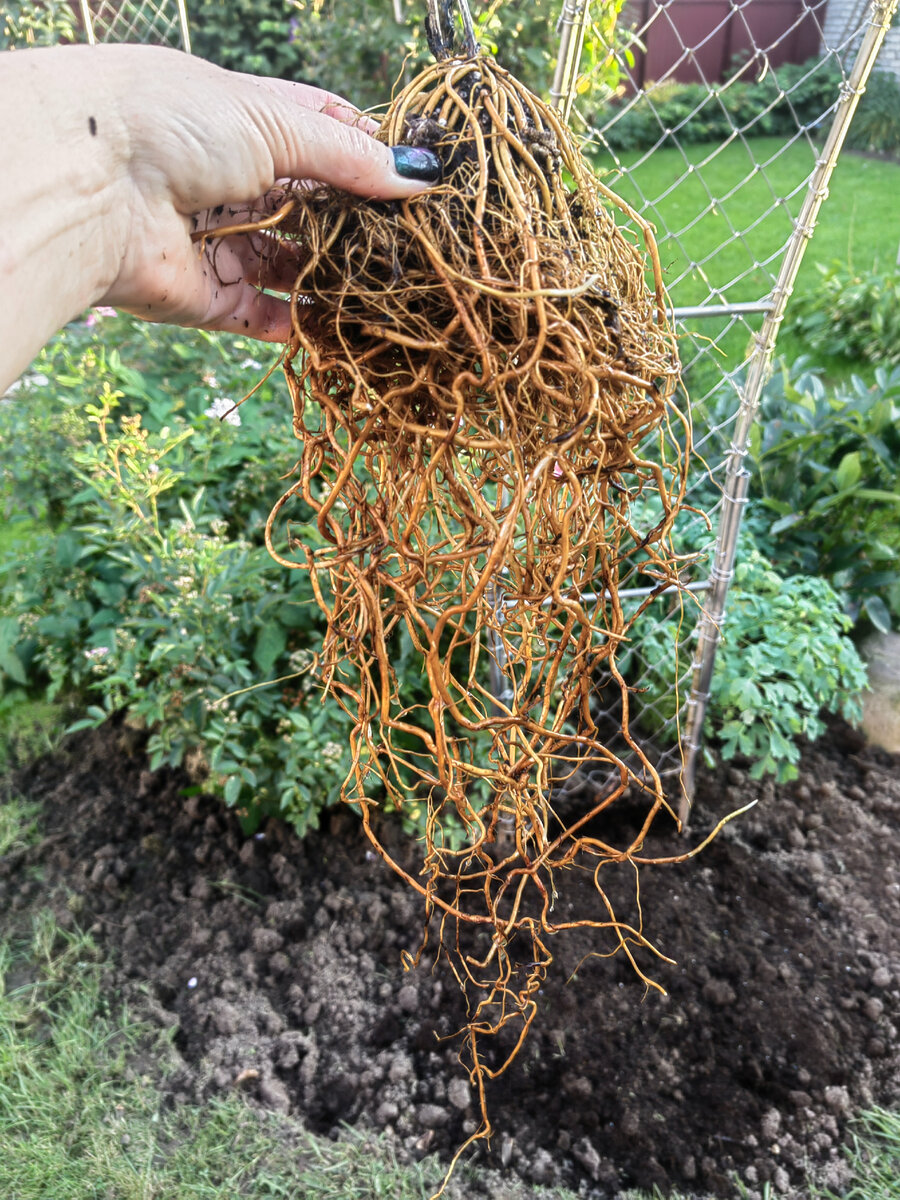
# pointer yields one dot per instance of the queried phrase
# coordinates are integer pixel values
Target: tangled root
(475, 375)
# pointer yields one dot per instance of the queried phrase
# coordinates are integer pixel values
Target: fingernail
(413, 162)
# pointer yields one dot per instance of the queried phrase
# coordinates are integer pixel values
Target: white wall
(843, 18)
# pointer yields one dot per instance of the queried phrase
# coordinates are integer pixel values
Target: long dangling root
(476, 374)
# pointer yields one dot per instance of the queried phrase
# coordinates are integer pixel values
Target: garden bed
(277, 963)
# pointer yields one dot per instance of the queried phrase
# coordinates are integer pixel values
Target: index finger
(319, 100)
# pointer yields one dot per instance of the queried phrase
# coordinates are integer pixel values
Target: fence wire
(728, 301)
(152, 22)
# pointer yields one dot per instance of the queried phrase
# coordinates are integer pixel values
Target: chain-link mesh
(152, 22)
(729, 300)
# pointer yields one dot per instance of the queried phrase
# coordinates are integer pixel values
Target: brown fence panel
(695, 41)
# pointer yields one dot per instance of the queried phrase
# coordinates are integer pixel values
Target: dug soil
(277, 963)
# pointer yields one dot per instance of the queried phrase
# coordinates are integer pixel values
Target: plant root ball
(504, 303)
(474, 373)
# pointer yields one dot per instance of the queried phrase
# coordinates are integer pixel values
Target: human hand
(201, 138)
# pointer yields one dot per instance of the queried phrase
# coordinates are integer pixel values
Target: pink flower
(102, 310)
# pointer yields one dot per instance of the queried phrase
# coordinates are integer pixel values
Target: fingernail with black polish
(414, 162)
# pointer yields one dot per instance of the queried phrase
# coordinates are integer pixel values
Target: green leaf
(11, 665)
(878, 613)
(849, 470)
(270, 645)
(232, 790)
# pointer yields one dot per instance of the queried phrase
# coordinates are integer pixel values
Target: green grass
(718, 216)
(28, 728)
(18, 824)
(875, 1158)
(81, 1120)
(78, 1122)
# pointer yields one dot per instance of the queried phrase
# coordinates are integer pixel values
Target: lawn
(725, 214)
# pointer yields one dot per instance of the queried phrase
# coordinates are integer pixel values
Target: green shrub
(876, 126)
(784, 658)
(826, 464)
(852, 314)
(791, 95)
(145, 587)
(358, 48)
(26, 23)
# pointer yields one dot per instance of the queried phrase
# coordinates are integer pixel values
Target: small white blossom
(97, 652)
(192, 982)
(223, 409)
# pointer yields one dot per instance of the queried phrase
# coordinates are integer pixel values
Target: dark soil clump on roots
(278, 963)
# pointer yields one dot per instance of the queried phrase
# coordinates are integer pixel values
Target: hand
(114, 153)
(204, 139)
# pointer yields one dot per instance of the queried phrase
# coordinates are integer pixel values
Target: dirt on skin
(278, 963)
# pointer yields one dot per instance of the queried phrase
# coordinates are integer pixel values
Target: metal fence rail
(741, 303)
(153, 22)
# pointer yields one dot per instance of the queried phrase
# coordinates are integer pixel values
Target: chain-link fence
(771, 156)
(730, 297)
(153, 22)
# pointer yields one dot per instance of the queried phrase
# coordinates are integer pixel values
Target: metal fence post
(737, 477)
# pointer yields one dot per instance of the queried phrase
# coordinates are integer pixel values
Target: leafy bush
(26, 23)
(853, 314)
(362, 51)
(143, 591)
(826, 464)
(791, 94)
(356, 49)
(783, 659)
(876, 125)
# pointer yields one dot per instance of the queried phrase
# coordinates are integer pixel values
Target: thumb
(308, 142)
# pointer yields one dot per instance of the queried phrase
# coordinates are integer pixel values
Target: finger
(319, 100)
(306, 144)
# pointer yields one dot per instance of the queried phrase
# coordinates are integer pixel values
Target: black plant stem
(444, 40)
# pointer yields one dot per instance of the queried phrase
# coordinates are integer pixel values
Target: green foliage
(28, 728)
(144, 587)
(876, 125)
(44, 23)
(359, 49)
(784, 658)
(790, 95)
(356, 49)
(826, 463)
(851, 313)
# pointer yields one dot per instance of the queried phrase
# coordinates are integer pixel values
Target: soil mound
(278, 963)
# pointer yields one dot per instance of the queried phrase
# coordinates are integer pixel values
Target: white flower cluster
(301, 660)
(223, 410)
